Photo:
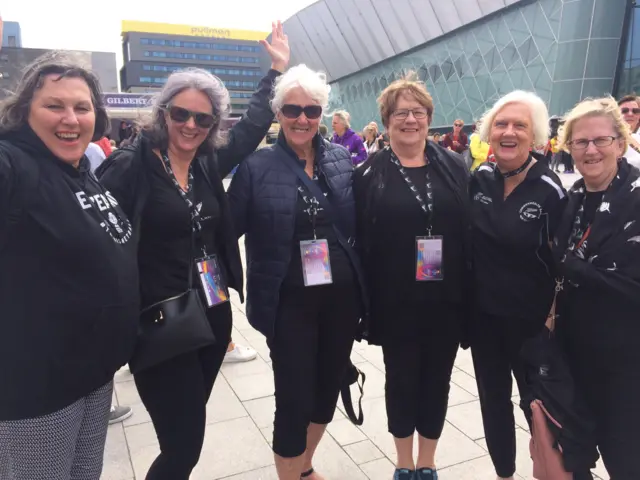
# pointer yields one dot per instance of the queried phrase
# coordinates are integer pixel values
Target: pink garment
(547, 461)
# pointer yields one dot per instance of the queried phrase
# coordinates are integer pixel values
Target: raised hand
(278, 49)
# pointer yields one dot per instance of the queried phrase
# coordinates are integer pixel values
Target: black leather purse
(172, 327)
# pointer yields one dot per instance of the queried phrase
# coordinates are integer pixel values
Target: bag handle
(345, 392)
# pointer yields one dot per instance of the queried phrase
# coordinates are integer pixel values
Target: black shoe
(404, 474)
(426, 474)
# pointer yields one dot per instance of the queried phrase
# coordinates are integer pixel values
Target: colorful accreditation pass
(316, 267)
(213, 284)
(429, 263)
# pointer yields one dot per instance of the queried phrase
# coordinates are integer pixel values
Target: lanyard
(195, 214)
(518, 170)
(427, 207)
(311, 201)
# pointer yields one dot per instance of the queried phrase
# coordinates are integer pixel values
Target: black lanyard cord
(186, 196)
(425, 204)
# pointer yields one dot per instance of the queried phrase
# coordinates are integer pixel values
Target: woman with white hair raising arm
(294, 203)
(516, 205)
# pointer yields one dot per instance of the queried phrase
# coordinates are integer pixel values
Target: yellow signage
(193, 31)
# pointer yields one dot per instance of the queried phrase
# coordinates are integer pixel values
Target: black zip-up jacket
(68, 281)
(600, 301)
(126, 172)
(513, 266)
(370, 180)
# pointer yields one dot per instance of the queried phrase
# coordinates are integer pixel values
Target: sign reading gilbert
(127, 100)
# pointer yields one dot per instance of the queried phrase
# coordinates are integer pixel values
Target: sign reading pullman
(210, 32)
(127, 100)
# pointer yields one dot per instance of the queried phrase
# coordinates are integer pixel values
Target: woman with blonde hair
(598, 252)
(412, 206)
(371, 139)
(516, 206)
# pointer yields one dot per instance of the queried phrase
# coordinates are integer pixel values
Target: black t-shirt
(341, 269)
(591, 203)
(399, 220)
(165, 250)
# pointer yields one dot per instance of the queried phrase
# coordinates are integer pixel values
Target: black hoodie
(68, 281)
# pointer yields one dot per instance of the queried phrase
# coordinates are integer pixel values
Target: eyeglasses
(403, 113)
(458, 125)
(294, 111)
(635, 111)
(182, 115)
(583, 143)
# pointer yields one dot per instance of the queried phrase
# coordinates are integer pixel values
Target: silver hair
(301, 76)
(537, 109)
(344, 116)
(190, 78)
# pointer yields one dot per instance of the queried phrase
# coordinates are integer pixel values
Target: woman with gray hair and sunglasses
(169, 182)
(68, 279)
(294, 203)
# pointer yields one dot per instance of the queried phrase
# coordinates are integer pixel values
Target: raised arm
(246, 135)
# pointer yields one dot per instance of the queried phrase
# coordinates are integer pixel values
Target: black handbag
(172, 327)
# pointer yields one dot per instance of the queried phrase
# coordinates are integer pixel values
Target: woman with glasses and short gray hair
(169, 182)
(294, 204)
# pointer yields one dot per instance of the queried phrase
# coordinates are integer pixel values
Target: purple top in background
(352, 142)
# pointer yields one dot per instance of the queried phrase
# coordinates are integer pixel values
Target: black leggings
(314, 332)
(418, 375)
(495, 347)
(176, 393)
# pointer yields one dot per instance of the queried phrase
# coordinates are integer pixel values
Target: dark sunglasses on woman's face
(294, 111)
(635, 111)
(182, 115)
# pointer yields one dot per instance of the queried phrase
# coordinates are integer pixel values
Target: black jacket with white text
(68, 281)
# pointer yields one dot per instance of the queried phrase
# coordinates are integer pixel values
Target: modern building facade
(11, 34)
(469, 52)
(14, 60)
(152, 51)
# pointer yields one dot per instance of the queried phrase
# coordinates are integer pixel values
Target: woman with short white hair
(516, 206)
(345, 136)
(598, 250)
(294, 203)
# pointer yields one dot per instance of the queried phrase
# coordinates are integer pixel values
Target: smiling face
(596, 164)
(299, 131)
(409, 131)
(62, 116)
(511, 136)
(187, 136)
(631, 118)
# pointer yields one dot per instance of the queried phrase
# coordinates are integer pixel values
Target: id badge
(429, 261)
(316, 266)
(213, 284)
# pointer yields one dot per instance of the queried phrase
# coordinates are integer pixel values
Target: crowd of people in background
(414, 242)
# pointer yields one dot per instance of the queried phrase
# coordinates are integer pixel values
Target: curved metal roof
(341, 37)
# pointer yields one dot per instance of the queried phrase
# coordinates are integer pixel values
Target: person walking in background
(170, 185)
(630, 110)
(343, 135)
(456, 140)
(294, 204)
(597, 248)
(412, 197)
(69, 291)
(516, 204)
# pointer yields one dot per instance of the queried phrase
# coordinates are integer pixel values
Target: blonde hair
(370, 128)
(537, 108)
(409, 86)
(594, 107)
(344, 116)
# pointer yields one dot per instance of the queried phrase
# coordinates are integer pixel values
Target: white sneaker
(240, 353)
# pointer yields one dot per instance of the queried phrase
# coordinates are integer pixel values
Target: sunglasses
(294, 111)
(457, 124)
(635, 111)
(182, 115)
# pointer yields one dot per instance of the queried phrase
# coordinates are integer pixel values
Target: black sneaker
(404, 474)
(426, 474)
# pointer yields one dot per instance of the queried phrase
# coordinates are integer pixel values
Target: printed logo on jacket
(530, 211)
(116, 225)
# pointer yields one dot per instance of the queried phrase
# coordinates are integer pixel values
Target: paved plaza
(240, 418)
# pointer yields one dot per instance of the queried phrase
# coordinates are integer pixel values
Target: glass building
(564, 50)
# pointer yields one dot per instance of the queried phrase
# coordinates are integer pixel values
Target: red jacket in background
(105, 145)
(463, 140)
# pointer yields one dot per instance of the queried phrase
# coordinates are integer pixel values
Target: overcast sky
(95, 25)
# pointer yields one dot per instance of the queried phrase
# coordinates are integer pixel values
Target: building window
(200, 45)
(240, 95)
(204, 57)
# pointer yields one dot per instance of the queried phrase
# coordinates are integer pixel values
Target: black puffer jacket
(263, 196)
